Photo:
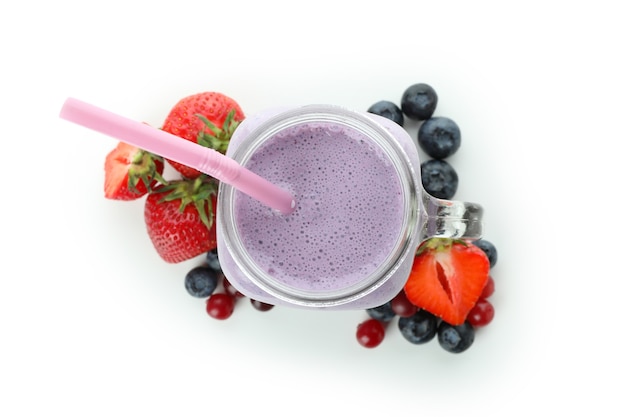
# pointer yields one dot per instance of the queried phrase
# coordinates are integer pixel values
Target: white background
(92, 322)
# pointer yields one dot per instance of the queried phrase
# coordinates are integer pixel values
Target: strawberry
(447, 278)
(207, 118)
(180, 216)
(130, 172)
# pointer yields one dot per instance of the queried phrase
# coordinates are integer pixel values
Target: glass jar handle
(450, 219)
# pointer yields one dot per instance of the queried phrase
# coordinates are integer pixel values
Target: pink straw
(169, 146)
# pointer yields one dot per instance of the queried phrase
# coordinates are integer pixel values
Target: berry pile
(179, 212)
(439, 137)
(447, 292)
(422, 313)
(208, 281)
(447, 295)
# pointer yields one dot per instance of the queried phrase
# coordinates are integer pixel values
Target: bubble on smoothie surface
(348, 214)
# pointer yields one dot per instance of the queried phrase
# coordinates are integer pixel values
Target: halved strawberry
(447, 278)
(129, 172)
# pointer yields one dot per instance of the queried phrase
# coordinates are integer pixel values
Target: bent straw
(169, 146)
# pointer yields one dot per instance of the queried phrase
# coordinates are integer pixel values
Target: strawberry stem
(438, 244)
(198, 191)
(220, 137)
(144, 168)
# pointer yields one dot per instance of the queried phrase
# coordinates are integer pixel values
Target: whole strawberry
(180, 216)
(207, 118)
(447, 278)
(130, 172)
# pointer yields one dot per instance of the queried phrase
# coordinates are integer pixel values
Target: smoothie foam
(349, 211)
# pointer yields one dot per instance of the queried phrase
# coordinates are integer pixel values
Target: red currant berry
(489, 289)
(260, 305)
(228, 287)
(402, 306)
(481, 314)
(220, 306)
(370, 333)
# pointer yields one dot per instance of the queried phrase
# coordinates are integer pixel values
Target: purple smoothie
(349, 213)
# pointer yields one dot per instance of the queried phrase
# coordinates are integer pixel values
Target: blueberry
(455, 339)
(439, 137)
(439, 179)
(489, 249)
(419, 328)
(201, 281)
(419, 101)
(382, 313)
(388, 110)
(212, 260)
